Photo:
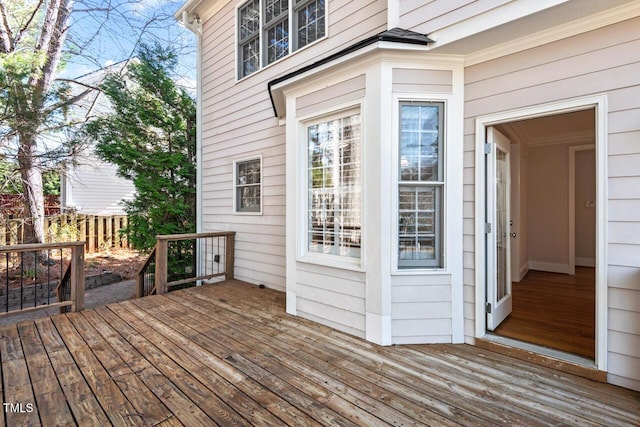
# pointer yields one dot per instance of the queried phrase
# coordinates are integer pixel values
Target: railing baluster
(7, 290)
(21, 277)
(35, 279)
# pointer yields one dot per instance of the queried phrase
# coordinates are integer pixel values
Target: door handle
(513, 235)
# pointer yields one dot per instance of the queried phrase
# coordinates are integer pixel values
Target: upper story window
(269, 30)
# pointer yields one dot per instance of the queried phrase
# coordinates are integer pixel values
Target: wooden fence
(98, 232)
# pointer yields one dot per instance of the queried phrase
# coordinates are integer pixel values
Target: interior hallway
(554, 310)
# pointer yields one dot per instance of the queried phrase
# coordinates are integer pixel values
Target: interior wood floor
(228, 354)
(554, 310)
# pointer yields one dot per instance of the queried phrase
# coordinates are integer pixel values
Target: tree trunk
(33, 191)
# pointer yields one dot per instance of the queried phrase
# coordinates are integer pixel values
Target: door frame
(599, 103)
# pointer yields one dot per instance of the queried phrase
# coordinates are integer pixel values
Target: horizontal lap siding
(441, 13)
(421, 307)
(602, 61)
(332, 297)
(238, 122)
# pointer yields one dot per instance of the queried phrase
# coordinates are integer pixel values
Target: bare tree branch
(5, 30)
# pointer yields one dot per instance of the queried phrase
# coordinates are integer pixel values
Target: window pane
(418, 229)
(249, 19)
(277, 41)
(334, 187)
(273, 9)
(420, 142)
(248, 186)
(250, 59)
(310, 22)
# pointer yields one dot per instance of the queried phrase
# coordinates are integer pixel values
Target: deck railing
(40, 276)
(180, 260)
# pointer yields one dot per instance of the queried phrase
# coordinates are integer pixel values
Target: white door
(498, 229)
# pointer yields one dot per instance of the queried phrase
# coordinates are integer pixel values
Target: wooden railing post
(161, 265)
(229, 255)
(77, 277)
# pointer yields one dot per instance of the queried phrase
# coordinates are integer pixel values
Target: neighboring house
(390, 164)
(90, 185)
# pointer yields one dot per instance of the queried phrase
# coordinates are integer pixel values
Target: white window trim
(447, 222)
(235, 171)
(262, 67)
(302, 218)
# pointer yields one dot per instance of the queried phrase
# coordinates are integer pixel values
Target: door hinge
(487, 148)
(487, 228)
(488, 307)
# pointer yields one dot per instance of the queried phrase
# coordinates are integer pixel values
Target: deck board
(228, 354)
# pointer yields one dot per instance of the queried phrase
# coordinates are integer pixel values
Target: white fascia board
(491, 18)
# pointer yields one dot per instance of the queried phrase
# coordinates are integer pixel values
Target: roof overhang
(390, 39)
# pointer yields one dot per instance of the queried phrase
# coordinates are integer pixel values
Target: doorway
(541, 231)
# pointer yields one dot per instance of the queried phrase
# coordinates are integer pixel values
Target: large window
(420, 185)
(334, 186)
(270, 29)
(248, 186)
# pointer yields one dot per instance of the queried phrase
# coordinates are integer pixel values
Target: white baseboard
(550, 267)
(524, 269)
(585, 262)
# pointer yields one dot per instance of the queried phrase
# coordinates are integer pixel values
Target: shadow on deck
(228, 354)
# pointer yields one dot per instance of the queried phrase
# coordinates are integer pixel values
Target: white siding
(93, 188)
(238, 122)
(421, 307)
(441, 13)
(332, 296)
(602, 61)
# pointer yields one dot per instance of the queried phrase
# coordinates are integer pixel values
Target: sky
(104, 32)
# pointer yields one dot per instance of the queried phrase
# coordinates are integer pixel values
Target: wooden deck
(228, 354)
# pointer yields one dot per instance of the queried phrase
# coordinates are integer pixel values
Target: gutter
(395, 35)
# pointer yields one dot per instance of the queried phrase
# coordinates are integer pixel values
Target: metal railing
(40, 276)
(180, 260)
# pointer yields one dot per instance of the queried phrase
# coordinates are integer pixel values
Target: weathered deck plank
(15, 374)
(83, 404)
(228, 354)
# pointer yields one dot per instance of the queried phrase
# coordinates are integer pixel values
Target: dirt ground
(124, 262)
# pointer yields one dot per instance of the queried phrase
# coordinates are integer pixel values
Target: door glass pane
(502, 231)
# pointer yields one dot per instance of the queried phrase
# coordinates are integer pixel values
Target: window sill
(435, 271)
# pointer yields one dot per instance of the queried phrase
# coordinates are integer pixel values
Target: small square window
(248, 185)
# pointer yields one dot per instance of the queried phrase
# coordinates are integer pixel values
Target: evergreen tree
(151, 137)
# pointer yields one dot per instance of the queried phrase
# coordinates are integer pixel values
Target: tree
(32, 35)
(37, 38)
(151, 137)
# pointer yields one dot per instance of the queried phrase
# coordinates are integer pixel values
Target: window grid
(335, 202)
(276, 29)
(310, 21)
(269, 31)
(420, 185)
(249, 37)
(248, 185)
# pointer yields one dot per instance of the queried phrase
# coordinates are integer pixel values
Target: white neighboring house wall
(94, 188)
(91, 185)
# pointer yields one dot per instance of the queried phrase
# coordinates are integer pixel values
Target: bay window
(420, 185)
(334, 220)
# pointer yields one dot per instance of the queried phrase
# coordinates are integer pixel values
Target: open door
(499, 300)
